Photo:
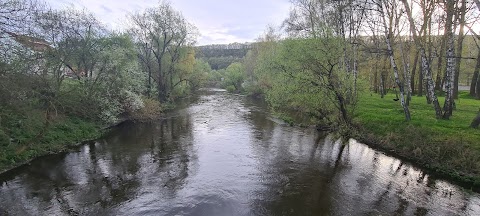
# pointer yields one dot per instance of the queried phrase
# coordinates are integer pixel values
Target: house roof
(33, 43)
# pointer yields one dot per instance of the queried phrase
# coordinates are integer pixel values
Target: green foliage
(23, 135)
(4, 138)
(151, 110)
(234, 77)
(200, 74)
(214, 78)
(85, 78)
(221, 56)
(306, 75)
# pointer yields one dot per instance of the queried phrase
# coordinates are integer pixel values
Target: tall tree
(450, 56)
(390, 10)
(425, 62)
(160, 32)
(460, 14)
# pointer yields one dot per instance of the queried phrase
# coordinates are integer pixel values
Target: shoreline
(467, 181)
(66, 148)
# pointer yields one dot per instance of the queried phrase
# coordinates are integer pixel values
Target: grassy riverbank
(449, 147)
(25, 135)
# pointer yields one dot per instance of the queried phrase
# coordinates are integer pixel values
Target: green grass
(24, 137)
(450, 147)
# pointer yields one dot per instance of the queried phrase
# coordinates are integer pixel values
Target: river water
(224, 154)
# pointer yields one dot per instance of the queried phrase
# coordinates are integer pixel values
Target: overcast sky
(218, 21)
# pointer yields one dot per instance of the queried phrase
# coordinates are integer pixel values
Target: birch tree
(425, 62)
(390, 9)
(450, 56)
(461, 16)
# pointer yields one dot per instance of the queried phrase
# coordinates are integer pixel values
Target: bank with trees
(64, 76)
(384, 72)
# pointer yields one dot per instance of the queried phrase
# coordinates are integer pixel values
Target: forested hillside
(220, 56)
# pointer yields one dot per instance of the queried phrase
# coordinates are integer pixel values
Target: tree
(160, 33)
(390, 9)
(460, 16)
(234, 77)
(450, 55)
(425, 62)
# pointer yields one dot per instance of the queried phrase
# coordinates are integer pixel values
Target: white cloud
(218, 21)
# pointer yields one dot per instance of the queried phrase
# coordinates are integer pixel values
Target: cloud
(218, 21)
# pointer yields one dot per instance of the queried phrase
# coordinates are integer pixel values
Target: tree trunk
(420, 80)
(397, 80)
(438, 85)
(425, 64)
(375, 79)
(406, 74)
(382, 85)
(450, 58)
(478, 88)
(414, 69)
(473, 85)
(149, 87)
(476, 121)
(461, 36)
(395, 69)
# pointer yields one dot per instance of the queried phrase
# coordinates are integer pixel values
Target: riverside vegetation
(370, 70)
(394, 86)
(64, 77)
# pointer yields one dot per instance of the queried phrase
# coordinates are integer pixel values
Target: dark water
(225, 155)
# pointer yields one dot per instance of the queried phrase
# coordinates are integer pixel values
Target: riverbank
(28, 138)
(447, 147)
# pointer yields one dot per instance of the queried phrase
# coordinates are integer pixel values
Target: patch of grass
(23, 136)
(447, 146)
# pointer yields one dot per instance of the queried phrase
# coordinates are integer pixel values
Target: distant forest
(220, 56)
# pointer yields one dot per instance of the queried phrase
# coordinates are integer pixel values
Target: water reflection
(222, 154)
(142, 160)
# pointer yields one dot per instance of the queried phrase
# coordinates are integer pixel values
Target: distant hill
(220, 56)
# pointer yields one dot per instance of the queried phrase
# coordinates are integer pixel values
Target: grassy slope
(22, 137)
(447, 146)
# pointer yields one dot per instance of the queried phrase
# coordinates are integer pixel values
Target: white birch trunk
(425, 64)
(406, 74)
(451, 62)
(394, 66)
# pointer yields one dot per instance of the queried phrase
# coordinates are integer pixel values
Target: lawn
(450, 147)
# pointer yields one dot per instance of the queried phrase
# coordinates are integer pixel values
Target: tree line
(62, 66)
(328, 52)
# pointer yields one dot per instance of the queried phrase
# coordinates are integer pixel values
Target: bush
(230, 88)
(4, 138)
(131, 102)
(151, 110)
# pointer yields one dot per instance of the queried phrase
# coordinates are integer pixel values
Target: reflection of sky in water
(223, 155)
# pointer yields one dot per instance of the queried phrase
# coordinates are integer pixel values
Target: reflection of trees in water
(317, 176)
(293, 184)
(107, 173)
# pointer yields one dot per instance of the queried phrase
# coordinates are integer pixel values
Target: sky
(218, 21)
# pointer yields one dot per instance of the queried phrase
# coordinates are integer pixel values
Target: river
(224, 154)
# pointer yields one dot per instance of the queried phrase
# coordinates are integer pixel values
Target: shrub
(151, 110)
(4, 138)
